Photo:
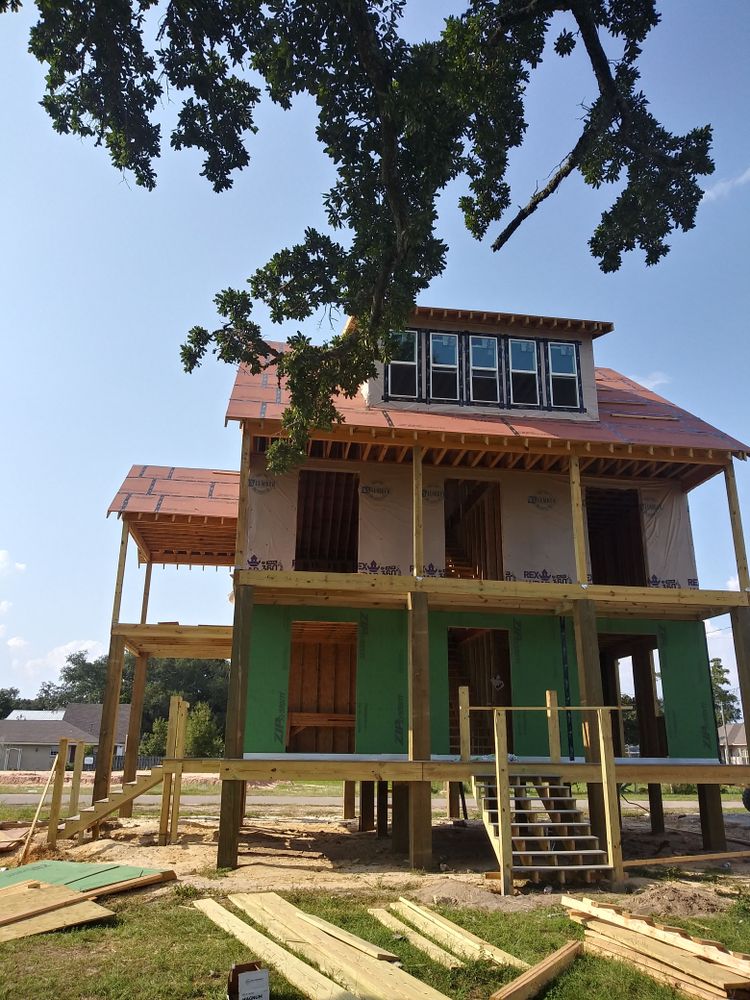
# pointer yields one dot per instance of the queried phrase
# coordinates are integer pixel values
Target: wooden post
(610, 796)
(132, 743)
(75, 786)
(590, 686)
(454, 799)
(553, 726)
(579, 523)
(382, 808)
(646, 707)
(105, 750)
(179, 751)
(366, 806)
(166, 788)
(502, 790)
(464, 723)
(146, 593)
(57, 791)
(232, 792)
(121, 560)
(420, 796)
(400, 817)
(740, 618)
(349, 808)
(740, 552)
(712, 818)
(418, 523)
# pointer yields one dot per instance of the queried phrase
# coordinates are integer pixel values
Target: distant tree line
(203, 683)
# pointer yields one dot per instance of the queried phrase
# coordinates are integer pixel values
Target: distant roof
(89, 718)
(46, 732)
(35, 714)
(733, 734)
(179, 515)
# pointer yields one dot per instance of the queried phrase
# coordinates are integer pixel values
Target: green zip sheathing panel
(78, 875)
(685, 682)
(536, 663)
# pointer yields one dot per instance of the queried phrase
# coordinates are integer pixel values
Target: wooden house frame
(617, 435)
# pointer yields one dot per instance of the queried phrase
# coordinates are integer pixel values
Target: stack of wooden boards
(346, 965)
(694, 966)
(51, 895)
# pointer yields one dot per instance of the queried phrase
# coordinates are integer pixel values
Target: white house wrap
(537, 528)
(272, 510)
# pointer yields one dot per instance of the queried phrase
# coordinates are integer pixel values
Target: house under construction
(443, 590)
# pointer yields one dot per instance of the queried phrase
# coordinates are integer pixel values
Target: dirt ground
(285, 854)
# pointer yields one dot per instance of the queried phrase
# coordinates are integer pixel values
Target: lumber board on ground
(22, 906)
(686, 859)
(457, 939)
(432, 950)
(603, 948)
(714, 951)
(533, 981)
(299, 974)
(352, 940)
(365, 976)
(719, 976)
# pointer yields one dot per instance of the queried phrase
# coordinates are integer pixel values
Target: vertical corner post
(57, 791)
(502, 790)
(735, 517)
(579, 524)
(418, 520)
(420, 793)
(590, 685)
(553, 726)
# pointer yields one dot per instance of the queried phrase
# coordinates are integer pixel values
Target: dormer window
(524, 373)
(444, 366)
(402, 370)
(483, 361)
(563, 373)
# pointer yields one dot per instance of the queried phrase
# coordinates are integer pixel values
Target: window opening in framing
(484, 368)
(402, 370)
(327, 522)
(473, 531)
(615, 537)
(479, 659)
(444, 366)
(563, 372)
(524, 373)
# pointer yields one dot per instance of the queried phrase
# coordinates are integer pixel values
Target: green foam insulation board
(78, 875)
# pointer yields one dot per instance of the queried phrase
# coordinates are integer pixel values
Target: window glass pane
(524, 388)
(444, 349)
(484, 389)
(444, 384)
(523, 355)
(564, 391)
(484, 352)
(404, 347)
(403, 380)
(562, 359)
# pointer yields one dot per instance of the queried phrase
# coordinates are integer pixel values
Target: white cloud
(2, 631)
(47, 667)
(5, 607)
(733, 583)
(7, 565)
(722, 189)
(653, 380)
(17, 642)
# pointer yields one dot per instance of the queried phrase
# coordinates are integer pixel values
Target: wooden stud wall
(322, 681)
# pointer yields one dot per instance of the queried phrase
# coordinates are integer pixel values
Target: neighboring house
(89, 718)
(733, 743)
(36, 714)
(31, 745)
(493, 512)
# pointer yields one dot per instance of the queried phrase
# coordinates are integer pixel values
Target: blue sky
(99, 281)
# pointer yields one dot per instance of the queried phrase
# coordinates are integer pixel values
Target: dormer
(458, 361)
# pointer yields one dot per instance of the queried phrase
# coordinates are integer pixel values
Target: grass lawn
(164, 949)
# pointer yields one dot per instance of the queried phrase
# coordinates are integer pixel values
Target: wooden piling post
(349, 804)
(420, 793)
(712, 818)
(382, 808)
(366, 806)
(400, 817)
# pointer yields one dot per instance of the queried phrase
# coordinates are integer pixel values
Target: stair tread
(561, 868)
(558, 854)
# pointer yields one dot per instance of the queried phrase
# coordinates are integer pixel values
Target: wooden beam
(464, 723)
(502, 791)
(420, 794)
(533, 981)
(417, 512)
(735, 517)
(553, 726)
(402, 930)
(579, 524)
(610, 796)
(591, 693)
(231, 791)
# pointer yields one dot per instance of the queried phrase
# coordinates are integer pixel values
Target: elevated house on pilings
(494, 525)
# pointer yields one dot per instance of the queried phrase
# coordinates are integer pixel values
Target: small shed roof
(46, 732)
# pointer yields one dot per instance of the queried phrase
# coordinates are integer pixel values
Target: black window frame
(511, 404)
(387, 394)
(469, 387)
(551, 405)
(457, 399)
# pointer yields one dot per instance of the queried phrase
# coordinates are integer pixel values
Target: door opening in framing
(327, 522)
(473, 535)
(615, 537)
(322, 687)
(479, 658)
(638, 730)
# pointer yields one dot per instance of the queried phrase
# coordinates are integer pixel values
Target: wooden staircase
(457, 563)
(550, 836)
(103, 807)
